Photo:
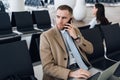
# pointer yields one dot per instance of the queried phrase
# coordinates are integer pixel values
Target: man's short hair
(65, 7)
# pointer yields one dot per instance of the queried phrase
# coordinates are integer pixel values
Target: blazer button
(65, 58)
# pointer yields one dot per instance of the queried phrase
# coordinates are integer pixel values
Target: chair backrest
(99, 26)
(111, 35)
(2, 7)
(94, 36)
(34, 48)
(84, 27)
(15, 59)
(23, 21)
(5, 25)
(112, 40)
(42, 19)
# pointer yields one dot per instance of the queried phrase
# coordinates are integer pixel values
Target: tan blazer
(54, 56)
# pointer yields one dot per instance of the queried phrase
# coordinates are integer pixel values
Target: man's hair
(65, 7)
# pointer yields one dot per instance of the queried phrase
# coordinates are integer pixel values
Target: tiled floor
(112, 13)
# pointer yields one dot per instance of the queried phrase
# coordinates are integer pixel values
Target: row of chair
(19, 53)
(105, 1)
(37, 3)
(24, 22)
(105, 40)
(33, 45)
(16, 63)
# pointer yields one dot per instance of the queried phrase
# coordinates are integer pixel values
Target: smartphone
(69, 21)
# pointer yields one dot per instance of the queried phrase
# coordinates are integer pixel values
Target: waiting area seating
(5, 26)
(104, 1)
(97, 59)
(42, 19)
(23, 21)
(34, 48)
(112, 41)
(105, 41)
(15, 62)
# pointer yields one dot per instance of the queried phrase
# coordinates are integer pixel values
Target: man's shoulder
(51, 31)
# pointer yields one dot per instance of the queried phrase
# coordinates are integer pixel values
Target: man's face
(62, 17)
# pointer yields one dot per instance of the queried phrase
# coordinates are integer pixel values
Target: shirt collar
(62, 31)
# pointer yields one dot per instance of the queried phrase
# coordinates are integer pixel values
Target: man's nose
(60, 20)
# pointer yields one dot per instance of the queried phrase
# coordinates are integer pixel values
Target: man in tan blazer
(53, 52)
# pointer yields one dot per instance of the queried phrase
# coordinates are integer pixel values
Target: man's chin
(60, 28)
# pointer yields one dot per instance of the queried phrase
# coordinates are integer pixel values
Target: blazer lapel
(59, 38)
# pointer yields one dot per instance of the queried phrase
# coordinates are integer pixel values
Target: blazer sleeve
(49, 66)
(84, 44)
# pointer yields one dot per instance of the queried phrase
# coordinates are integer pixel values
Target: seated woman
(99, 13)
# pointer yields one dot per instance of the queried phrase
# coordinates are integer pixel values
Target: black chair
(34, 48)
(42, 19)
(84, 27)
(111, 35)
(9, 40)
(23, 21)
(15, 60)
(2, 7)
(5, 26)
(97, 59)
(98, 25)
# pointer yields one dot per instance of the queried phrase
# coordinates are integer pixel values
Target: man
(57, 60)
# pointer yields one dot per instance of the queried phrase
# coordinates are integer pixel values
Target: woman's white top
(93, 22)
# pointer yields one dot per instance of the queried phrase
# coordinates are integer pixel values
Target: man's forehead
(61, 12)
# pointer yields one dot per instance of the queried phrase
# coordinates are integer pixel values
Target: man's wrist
(70, 74)
(78, 37)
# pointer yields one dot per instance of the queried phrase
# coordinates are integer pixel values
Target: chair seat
(114, 55)
(103, 64)
(44, 27)
(29, 32)
(8, 35)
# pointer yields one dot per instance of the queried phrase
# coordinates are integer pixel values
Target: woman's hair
(100, 14)
(65, 7)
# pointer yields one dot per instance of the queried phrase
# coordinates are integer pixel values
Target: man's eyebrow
(62, 17)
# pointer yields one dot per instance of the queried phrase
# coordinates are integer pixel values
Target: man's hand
(80, 74)
(71, 31)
